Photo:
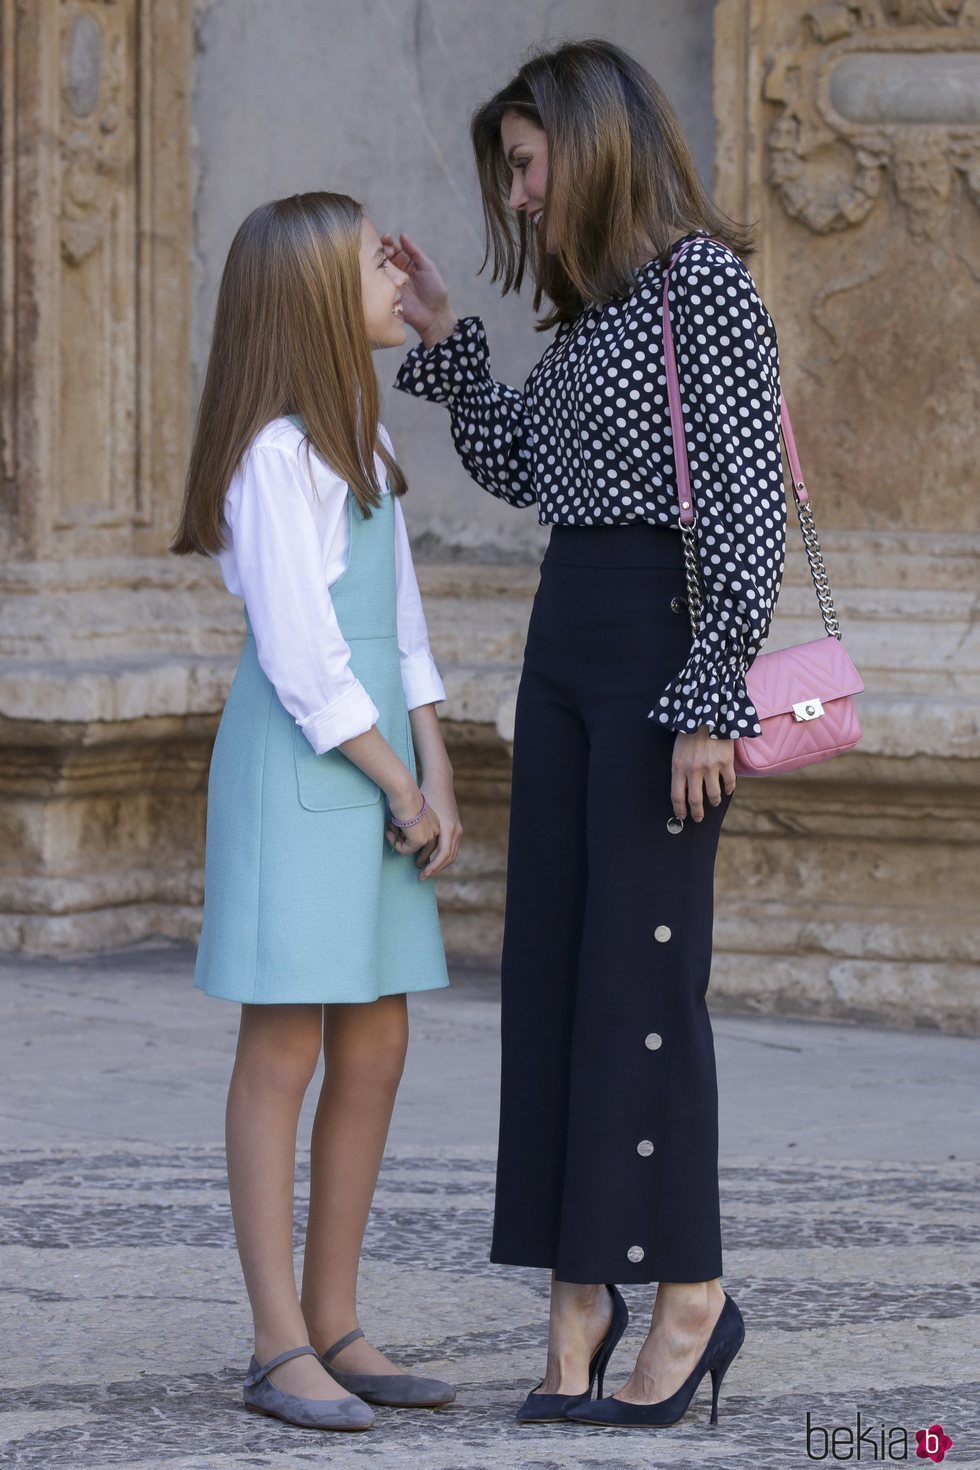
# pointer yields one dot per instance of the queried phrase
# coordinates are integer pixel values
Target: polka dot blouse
(588, 441)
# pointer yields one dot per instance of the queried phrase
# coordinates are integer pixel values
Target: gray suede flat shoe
(262, 1397)
(395, 1390)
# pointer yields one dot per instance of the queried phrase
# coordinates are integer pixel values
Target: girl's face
(381, 290)
(525, 148)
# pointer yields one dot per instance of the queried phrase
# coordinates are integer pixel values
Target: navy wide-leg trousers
(607, 1165)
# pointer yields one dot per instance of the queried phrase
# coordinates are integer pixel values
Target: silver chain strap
(814, 556)
(818, 571)
(692, 570)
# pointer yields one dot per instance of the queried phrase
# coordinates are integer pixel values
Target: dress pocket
(329, 782)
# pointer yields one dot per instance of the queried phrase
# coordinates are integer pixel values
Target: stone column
(101, 742)
(851, 133)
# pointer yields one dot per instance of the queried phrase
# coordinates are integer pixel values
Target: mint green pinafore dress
(304, 900)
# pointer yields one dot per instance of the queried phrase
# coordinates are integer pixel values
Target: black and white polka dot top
(588, 440)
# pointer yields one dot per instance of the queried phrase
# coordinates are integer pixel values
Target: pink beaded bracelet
(412, 820)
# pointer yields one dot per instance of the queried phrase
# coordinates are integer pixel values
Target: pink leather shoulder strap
(678, 436)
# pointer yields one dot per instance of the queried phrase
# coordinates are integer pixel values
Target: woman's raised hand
(425, 300)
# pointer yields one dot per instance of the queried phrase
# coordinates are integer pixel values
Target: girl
(319, 910)
(623, 743)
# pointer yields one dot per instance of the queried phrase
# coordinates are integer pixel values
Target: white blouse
(284, 547)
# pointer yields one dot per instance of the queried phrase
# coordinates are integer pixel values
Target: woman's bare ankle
(579, 1320)
(687, 1304)
(578, 1297)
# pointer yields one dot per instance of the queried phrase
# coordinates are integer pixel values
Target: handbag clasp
(807, 709)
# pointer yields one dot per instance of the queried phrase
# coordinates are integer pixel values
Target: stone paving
(850, 1212)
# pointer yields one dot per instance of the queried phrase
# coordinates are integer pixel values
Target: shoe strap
(259, 1373)
(339, 1346)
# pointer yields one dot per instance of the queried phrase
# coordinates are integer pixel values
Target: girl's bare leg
(364, 1051)
(278, 1050)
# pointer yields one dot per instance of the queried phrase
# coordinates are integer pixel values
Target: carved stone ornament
(878, 95)
(97, 156)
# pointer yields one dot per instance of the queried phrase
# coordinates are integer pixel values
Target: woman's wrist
(441, 327)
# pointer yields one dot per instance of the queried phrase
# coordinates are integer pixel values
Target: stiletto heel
(547, 1408)
(608, 1345)
(724, 1342)
(718, 1372)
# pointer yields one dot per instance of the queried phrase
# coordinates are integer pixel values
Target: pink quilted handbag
(803, 695)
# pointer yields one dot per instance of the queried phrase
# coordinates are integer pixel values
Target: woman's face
(381, 290)
(525, 147)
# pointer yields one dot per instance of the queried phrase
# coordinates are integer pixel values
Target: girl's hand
(700, 765)
(444, 852)
(425, 300)
(412, 839)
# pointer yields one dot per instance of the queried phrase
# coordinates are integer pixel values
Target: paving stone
(127, 1325)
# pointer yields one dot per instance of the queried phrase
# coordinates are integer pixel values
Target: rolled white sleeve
(420, 677)
(279, 564)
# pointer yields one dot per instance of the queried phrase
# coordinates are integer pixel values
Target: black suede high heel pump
(723, 1344)
(546, 1408)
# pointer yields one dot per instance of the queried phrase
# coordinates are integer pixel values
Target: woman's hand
(700, 765)
(434, 859)
(425, 300)
(412, 839)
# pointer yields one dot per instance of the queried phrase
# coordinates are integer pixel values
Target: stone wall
(135, 136)
(847, 131)
(850, 132)
(99, 788)
(373, 98)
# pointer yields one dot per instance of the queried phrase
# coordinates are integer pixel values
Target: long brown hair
(289, 338)
(621, 178)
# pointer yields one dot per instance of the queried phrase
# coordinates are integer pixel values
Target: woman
(623, 743)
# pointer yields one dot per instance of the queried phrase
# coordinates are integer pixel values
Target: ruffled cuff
(351, 713)
(709, 690)
(443, 370)
(420, 681)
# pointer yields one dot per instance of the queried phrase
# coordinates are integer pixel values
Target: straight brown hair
(622, 183)
(289, 338)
